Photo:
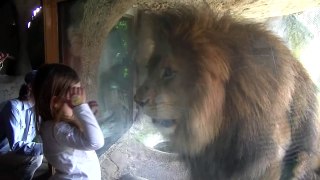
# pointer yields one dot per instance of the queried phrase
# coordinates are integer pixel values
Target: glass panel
(115, 71)
(116, 81)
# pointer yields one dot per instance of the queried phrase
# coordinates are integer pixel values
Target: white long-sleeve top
(71, 151)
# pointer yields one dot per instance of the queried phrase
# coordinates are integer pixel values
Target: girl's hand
(94, 107)
(76, 96)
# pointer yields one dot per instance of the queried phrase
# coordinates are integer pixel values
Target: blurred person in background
(19, 154)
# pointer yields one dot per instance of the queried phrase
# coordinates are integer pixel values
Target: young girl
(69, 130)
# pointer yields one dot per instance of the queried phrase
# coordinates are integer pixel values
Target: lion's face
(181, 95)
(168, 92)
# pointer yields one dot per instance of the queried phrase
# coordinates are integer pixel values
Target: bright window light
(36, 11)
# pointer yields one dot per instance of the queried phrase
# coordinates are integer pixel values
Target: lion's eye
(168, 73)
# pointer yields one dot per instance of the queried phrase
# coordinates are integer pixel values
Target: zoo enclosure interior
(117, 77)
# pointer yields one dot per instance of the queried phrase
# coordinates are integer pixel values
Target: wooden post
(51, 37)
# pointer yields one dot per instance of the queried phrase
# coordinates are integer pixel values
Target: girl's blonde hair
(52, 80)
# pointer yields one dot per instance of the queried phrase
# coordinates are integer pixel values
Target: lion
(229, 95)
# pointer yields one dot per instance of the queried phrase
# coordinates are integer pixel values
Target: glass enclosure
(115, 73)
(133, 146)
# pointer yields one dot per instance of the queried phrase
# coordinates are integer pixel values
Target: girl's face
(66, 109)
(61, 108)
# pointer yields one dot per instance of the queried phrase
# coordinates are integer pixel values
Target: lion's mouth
(164, 122)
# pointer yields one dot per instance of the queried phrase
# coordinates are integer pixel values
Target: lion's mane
(253, 106)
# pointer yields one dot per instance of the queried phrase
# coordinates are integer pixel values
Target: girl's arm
(91, 136)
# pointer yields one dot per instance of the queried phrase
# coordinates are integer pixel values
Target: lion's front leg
(272, 173)
(307, 167)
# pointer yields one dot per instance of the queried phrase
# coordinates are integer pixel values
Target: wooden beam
(51, 37)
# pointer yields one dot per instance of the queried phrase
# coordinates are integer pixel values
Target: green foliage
(122, 25)
(296, 33)
(122, 31)
(125, 72)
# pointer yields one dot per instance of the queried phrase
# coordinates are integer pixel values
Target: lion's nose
(140, 102)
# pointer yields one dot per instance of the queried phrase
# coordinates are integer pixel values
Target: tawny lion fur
(237, 104)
